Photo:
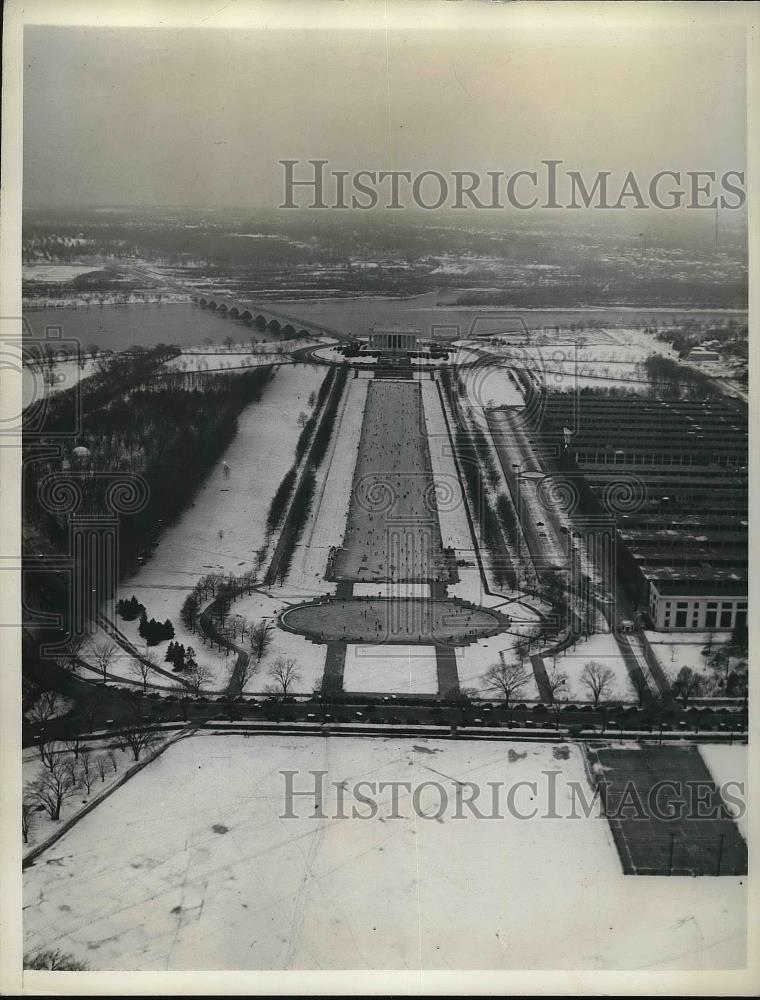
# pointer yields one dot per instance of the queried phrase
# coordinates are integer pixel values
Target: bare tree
(198, 677)
(260, 637)
(86, 772)
(53, 786)
(49, 705)
(74, 647)
(303, 419)
(28, 818)
(557, 684)
(53, 961)
(100, 765)
(506, 680)
(720, 661)
(284, 674)
(182, 694)
(90, 711)
(687, 684)
(47, 751)
(598, 679)
(137, 735)
(146, 662)
(112, 758)
(74, 745)
(103, 653)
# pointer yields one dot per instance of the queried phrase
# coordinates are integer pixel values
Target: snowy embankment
(225, 524)
(191, 866)
(105, 763)
(242, 355)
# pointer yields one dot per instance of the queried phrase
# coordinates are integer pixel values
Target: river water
(116, 328)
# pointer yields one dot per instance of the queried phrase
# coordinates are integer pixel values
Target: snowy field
(684, 649)
(35, 385)
(189, 866)
(489, 385)
(56, 273)
(615, 359)
(309, 657)
(603, 649)
(225, 524)
(392, 669)
(474, 660)
(31, 769)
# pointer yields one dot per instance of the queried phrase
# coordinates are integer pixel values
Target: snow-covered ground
(489, 385)
(56, 273)
(115, 762)
(728, 767)
(474, 660)
(225, 524)
(398, 589)
(241, 355)
(36, 385)
(602, 648)
(684, 649)
(452, 515)
(326, 523)
(608, 359)
(190, 866)
(309, 657)
(332, 354)
(391, 669)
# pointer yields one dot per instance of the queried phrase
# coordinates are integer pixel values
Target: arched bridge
(264, 318)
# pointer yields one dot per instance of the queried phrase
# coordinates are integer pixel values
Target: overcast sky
(199, 118)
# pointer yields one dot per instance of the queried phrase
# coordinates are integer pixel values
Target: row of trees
(163, 430)
(481, 478)
(283, 493)
(74, 768)
(507, 681)
(328, 399)
(673, 380)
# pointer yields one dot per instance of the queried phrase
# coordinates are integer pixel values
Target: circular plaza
(386, 620)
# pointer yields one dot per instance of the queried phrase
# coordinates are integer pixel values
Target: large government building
(681, 466)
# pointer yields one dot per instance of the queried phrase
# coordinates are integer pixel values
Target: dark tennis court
(641, 787)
